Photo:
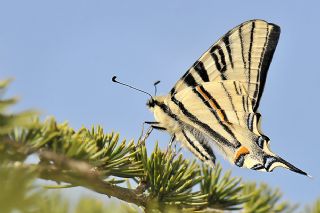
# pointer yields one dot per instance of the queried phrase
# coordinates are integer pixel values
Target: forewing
(243, 54)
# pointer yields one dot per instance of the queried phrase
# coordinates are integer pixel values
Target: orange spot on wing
(211, 103)
(221, 116)
(241, 151)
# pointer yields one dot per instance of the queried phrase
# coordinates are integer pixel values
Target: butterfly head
(156, 101)
(151, 103)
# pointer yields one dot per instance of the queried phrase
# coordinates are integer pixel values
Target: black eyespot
(258, 167)
(240, 161)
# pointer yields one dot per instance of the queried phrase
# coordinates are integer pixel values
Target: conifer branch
(79, 173)
(58, 168)
(98, 161)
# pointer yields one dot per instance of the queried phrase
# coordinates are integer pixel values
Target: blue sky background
(63, 54)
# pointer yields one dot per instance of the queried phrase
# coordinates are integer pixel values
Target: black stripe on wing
(221, 67)
(214, 112)
(227, 43)
(201, 70)
(190, 81)
(265, 62)
(204, 126)
(250, 52)
(207, 154)
(242, 48)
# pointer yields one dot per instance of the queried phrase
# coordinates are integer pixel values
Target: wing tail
(280, 162)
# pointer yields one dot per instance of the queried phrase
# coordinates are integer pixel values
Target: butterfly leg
(153, 125)
(174, 152)
(142, 131)
(172, 140)
(143, 137)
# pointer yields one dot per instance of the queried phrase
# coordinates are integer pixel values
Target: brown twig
(83, 174)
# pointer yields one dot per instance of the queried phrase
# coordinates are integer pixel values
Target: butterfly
(216, 101)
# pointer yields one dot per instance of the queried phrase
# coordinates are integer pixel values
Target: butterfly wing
(243, 55)
(224, 101)
(196, 142)
(227, 119)
(217, 99)
(219, 95)
(220, 112)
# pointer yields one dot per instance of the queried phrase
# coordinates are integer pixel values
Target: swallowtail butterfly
(216, 101)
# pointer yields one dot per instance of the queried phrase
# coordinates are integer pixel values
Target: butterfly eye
(151, 103)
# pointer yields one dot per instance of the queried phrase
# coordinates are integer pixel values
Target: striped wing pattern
(243, 55)
(217, 99)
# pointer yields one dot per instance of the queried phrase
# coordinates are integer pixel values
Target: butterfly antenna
(155, 87)
(114, 79)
